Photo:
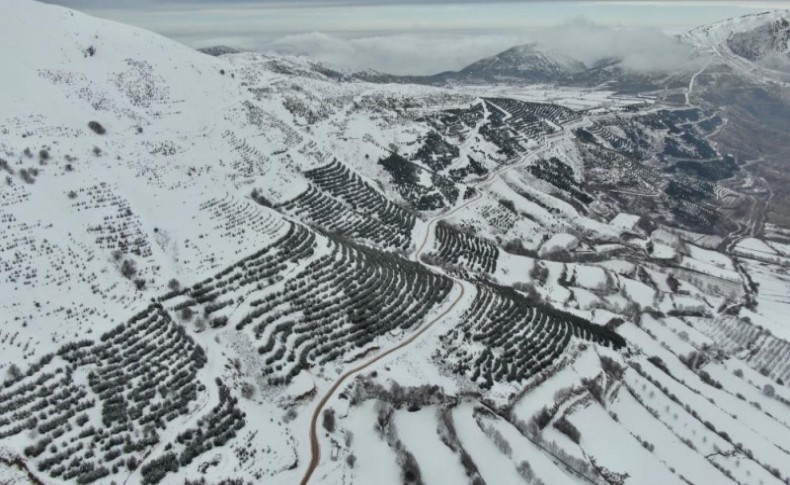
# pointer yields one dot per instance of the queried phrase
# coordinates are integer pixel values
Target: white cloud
(417, 53)
(641, 49)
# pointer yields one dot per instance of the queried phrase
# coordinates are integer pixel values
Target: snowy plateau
(241, 268)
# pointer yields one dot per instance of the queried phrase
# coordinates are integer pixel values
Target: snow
(418, 432)
(625, 221)
(760, 250)
(493, 465)
(375, 462)
(559, 242)
(616, 450)
(189, 139)
(668, 447)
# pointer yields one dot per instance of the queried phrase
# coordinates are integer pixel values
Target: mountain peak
(527, 62)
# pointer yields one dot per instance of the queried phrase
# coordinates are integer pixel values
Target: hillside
(257, 269)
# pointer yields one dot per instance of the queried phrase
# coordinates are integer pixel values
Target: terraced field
(463, 250)
(342, 299)
(95, 408)
(340, 202)
(504, 337)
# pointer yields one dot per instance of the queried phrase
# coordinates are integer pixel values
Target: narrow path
(693, 80)
(315, 446)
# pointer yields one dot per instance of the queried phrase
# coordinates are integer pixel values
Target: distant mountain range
(762, 37)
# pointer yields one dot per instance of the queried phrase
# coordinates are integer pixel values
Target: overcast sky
(419, 37)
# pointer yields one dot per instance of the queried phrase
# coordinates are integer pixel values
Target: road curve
(315, 447)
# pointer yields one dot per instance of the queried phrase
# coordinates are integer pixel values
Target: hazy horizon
(404, 37)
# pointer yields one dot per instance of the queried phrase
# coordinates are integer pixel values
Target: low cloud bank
(416, 54)
(640, 49)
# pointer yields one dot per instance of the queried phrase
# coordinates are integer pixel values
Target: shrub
(568, 429)
(659, 362)
(329, 420)
(96, 127)
(156, 469)
(539, 273)
(611, 367)
(508, 204)
(673, 283)
(247, 390)
(14, 372)
(128, 269)
(542, 418)
(27, 175)
(410, 469)
(187, 313)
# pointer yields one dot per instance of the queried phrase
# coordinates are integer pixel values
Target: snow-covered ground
(200, 254)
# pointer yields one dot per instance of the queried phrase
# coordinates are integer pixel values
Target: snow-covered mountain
(539, 64)
(769, 39)
(529, 63)
(758, 43)
(258, 269)
(751, 36)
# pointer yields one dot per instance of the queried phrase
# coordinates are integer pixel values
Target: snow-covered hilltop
(257, 269)
(527, 63)
(764, 31)
(757, 46)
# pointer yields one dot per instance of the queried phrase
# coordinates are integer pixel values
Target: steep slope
(769, 39)
(751, 36)
(756, 46)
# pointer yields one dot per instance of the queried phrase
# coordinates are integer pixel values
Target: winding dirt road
(315, 446)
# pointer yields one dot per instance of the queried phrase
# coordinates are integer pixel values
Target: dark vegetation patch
(560, 175)
(436, 153)
(709, 171)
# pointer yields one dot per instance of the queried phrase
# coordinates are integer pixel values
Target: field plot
(342, 203)
(463, 250)
(505, 338)
(89, 402)
(312, 300)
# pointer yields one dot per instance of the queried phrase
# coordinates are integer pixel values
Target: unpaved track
(693, 79)
(315, 446)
